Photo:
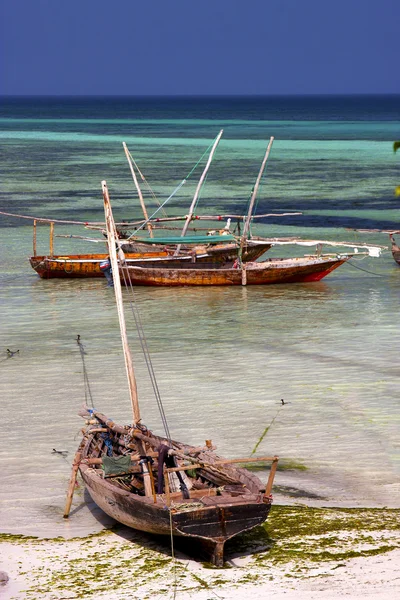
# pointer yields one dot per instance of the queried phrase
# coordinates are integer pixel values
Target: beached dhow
(158, 485)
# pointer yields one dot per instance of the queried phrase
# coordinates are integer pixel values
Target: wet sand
(303, 553)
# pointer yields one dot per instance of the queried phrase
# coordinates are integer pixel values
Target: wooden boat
(78, 265)
(137, 485)
(217, 499)
(276, 270)
(395, 249)
(88, 265)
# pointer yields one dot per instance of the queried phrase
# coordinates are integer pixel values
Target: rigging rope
(175, 190)
(160, 207)
(86, 383)
(147, 185)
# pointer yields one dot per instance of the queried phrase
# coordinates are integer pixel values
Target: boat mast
(199, 186)
(246, 227)
(112, 240)
(139, 191)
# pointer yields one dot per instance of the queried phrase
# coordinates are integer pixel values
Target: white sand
(133, 571)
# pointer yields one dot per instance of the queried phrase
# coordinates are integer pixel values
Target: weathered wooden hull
(272, 271)
(213, 523)
(78, 265)
(210, 517)
(217, 253)
(395, 250)
(88, 265)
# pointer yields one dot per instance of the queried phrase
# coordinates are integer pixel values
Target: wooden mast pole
(34, 236)
(199, 186)
(246, 227)
(72, 483)
(111, 240)
(51, 238)
(139, 191)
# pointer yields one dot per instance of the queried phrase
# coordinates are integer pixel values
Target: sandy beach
(306, 553)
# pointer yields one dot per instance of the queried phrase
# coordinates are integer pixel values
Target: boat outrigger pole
(112, 241)
(246, 228)
(199, 186)
(139, 191)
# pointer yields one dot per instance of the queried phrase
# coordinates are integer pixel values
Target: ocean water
(224, 358)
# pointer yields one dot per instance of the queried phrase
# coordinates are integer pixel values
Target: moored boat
(88, 265)
(271, 271)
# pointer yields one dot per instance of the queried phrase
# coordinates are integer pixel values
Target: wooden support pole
(111, 238)
(197, 192)
(218, 463)
(244, 275)
(254, 195)
(153, 487)
(270, 481)
(72, 481)
(52, 239)
(139, 191)
(34, 237)
(166, 484)
(147, 480)
(134, 458)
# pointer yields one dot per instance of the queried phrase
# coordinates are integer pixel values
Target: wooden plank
(270, 481)
(111, 237)
(139, 191)
(34, 237)
(222, 462)
(246, 227)
(52, 238)
(72, 481)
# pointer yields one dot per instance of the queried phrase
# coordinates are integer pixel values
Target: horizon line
(313, 95)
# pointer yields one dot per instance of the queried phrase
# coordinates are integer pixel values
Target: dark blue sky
(145, 47)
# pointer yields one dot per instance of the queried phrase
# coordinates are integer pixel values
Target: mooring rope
(86, 382)
(365, 270)
(173, 554)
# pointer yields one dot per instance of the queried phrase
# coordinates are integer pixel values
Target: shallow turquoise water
(223, 357)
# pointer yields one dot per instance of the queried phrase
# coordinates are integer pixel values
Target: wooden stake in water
(72, 482)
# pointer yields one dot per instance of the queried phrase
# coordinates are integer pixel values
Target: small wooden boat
(79, 265)
(158, 485)
(275, 270)
(395, 249)
(88, 265)
(212, 501)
